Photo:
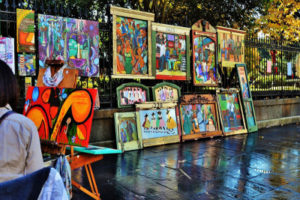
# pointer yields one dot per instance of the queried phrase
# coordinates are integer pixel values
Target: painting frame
(158, 106)
(126, 146)
(132, 84)
(206, 100)
(203, 28)
(25, 36)
(136, 15)
(162, 84)
(61, 115)
(174, 30)
(243, 129)
(246, 97)
(224, 31)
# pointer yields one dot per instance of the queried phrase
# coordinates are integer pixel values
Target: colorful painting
(132, 46)
(204, 55)
(26, 64)
(243, 82)
(166, 92)
(231, 43)
(132, 51)
(127, 137)
(199, 116)
(132, 93)
(230, 112)
(61, 115)
(249, 114)
(7, 51)
(25, 31)
(76, 41)
(158, 123)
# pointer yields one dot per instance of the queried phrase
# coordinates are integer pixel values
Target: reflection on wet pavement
(263, 165)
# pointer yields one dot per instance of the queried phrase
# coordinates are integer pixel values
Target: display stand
(80, 160)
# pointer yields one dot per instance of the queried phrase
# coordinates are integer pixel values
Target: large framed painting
(76, 41)
(7, 51)
(131, 43)
(231, 112)
(60, 114)
(129, 94)
(246, 97)
(199, 116)
(170, 52)
(26, 65)
(25, 31)
(166, 92)
(127, 137)
(204, 54)
(231, 46)
(158, 123)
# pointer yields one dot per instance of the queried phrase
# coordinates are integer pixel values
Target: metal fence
(263, 83)
(273, 67)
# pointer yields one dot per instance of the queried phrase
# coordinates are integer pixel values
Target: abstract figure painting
(61, 115)
(246, 98)
(126, 131)
(26, 65)
(204, 54)
(232, 46)
(7, 51)
(199, 117)
(231, 113)
(166, 92)
(25, 31)
(74, 40)
(158, 126)
(131, 43)
(131, 93)
(170, 47)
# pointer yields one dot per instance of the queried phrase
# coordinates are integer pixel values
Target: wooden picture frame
(246, 97)
(229, 113)
(231, 46)
(204, 43)
(127, 136)
(199, 117)
(174, 64)
(133, 65)
(154, 132)
(143, 94)
(156, 90)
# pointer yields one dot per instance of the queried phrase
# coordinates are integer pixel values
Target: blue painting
(158, 123)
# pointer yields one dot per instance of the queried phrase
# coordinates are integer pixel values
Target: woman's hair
(9, 90)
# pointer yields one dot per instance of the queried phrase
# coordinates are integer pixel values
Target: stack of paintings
(246, 98)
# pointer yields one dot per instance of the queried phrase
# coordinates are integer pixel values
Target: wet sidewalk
(263, 165)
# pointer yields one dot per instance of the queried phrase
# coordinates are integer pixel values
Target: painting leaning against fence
(25, 31)
(7, 52)
(158, 123)
(75, 40)
(126, 131)
(26, 65)
(132, 46)
(61, 115)
(204, 61)
(243, 82)
(231, 115)
(198, 118)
